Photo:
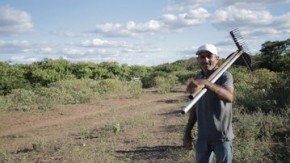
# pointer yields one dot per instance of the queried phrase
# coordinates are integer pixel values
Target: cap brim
(198, 52)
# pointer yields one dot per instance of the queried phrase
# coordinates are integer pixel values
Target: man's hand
(195, 85)
(187, 143)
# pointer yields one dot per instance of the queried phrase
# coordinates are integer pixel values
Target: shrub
(12, 78)
(254, 136)
(108, 86)
(149, 82)
(39, 145)
(256, 90)
(184, 76)
(47, 98)
(86, 133)
(165, 85)
(4, 103)
(134, 88)
(280, 94)
(22, 99)
(77, 90)
(74, 91)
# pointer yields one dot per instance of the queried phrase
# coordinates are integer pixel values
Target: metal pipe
(213, 78)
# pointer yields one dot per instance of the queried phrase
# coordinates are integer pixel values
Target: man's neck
(208, 73)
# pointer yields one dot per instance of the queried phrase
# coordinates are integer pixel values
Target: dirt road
(150, 129)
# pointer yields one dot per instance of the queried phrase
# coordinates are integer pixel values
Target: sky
(135, 32)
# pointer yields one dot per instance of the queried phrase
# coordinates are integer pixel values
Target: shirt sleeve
(227, 80)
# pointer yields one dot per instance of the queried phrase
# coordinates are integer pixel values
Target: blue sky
(134, 32)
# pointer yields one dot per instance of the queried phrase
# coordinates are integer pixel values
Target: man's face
(207, 61)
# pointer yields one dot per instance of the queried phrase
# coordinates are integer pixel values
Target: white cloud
(131, 29)
(147, 27)
(250, 22)
(14, 46)
(227, 2)
(13, 21)
(192, 17)
(98, 46)
(282, 23)
(76, 53)
(71, 34)
(96, 42)
(139, 49)
(24, 46)
(91, 55)
(247, 2)
(24, 59)
(113, 30)
(233, 16)
(123, 47)
(167, 22)
(45, 48)
(99, 50)
(247, 19)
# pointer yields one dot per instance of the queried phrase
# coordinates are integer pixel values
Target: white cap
(207, 47)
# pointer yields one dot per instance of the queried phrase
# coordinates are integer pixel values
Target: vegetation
(274, 56)
(262, 105)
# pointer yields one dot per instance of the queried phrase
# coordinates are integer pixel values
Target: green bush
(149, 81)
(134, 88)
(280, 94)
(74, 91)
(12, 77)
(47, 98)
(77, 90)
(258, 91)
(4, 103)
(108, 86)
(254, 136)
(165, 84)
(184, 76)
(22, 99)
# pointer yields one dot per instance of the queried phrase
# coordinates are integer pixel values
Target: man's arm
(187, 139)
(224, 93)
(191, 121)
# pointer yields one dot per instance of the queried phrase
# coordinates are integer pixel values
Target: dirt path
(17, 122)
(19, 130)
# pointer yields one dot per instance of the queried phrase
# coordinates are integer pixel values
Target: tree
(11, 77)
(82, 70)
(139, 71)
(274, 56)
(113, 68)
(167, 67)
(47, 71)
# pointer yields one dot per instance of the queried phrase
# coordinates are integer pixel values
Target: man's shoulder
(227, 73)
(227, 79)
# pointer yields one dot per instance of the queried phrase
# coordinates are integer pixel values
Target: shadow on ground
(151, 153)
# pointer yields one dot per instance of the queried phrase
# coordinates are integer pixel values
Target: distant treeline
(269, 82)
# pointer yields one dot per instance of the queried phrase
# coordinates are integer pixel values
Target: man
(213, 111)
